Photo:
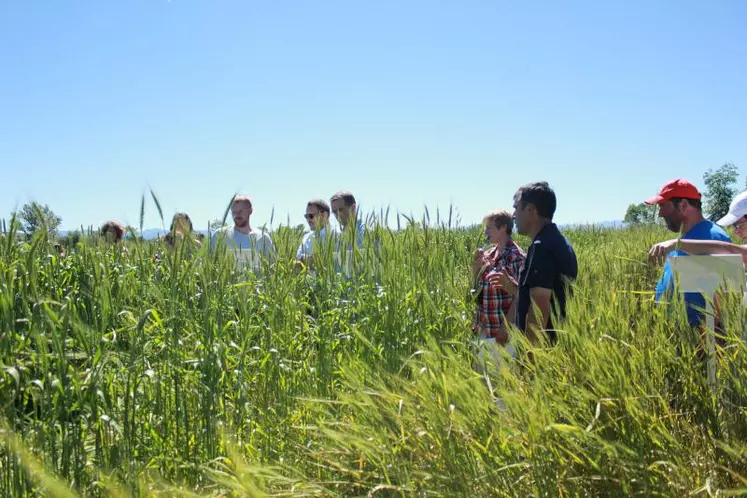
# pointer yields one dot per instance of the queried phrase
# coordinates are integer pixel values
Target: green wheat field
(122, 374)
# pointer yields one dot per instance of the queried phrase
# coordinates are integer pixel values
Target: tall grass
(126, 374)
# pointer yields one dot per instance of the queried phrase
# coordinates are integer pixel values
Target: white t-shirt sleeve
(220, 234)
(268, 247)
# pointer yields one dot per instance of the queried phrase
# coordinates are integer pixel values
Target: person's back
(551, 263)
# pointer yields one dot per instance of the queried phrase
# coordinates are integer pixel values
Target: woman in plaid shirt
(493, 303)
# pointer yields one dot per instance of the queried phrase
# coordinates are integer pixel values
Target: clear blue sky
(406, 103)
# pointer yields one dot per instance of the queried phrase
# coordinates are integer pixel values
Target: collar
(701, 222)
(550, 227)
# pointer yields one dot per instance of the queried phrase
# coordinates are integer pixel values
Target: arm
(514, 267)
(503, 280)
(539, 312)
(697, 247)
(269, 249)
(214, 240)
(511, 314)
(479, 265)
(541, 273)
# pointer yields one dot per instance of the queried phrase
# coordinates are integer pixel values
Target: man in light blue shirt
(249, 246)
(345, 210)
(679, 204)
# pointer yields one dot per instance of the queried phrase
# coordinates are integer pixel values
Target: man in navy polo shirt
(549, 268)
(679, 204)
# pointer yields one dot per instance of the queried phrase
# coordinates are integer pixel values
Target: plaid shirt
(493, 303)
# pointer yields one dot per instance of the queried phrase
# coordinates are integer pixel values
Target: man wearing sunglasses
(317, 216)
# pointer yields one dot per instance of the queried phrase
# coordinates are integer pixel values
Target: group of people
(181, 228)
(530, 290)
(527, 289)
(679, 204)
(251, 245)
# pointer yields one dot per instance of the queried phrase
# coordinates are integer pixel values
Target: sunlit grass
(125, 373)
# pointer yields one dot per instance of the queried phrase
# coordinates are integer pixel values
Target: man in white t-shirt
(248, 245)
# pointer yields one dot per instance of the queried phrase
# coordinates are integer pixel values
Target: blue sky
(406, 103)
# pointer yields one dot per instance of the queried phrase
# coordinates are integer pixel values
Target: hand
(659, 251)
(304, 262)
(502, 280)
(480, 261)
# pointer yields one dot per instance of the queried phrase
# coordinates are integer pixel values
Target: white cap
(737, 209)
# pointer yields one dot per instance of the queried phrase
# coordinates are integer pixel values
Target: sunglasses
(309, 216)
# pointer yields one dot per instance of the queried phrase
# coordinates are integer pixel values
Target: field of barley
(122, 374)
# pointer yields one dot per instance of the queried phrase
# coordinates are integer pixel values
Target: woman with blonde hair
(492, 302)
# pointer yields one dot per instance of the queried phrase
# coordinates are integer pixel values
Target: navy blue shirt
(551, 262)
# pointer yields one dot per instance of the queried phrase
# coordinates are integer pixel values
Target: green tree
(33, 216)
(640, 214)
(720, 190)
(215, 225)
(72, 238)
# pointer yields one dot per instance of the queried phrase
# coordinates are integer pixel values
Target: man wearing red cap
(679, 204)
(736, 217)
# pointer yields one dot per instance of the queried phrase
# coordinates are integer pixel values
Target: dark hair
(183, 216)
(538, 194)
(320, 204)
(114, 227)
(347, 197)
(696, 203)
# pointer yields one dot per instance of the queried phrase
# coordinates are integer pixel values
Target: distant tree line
(721, 186)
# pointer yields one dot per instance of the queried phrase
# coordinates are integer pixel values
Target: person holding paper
(680, 206)
(736, 217)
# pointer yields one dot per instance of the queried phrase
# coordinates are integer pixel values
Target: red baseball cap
(675, 188)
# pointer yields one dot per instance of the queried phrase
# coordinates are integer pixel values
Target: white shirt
(307, 244)
(246, 247)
